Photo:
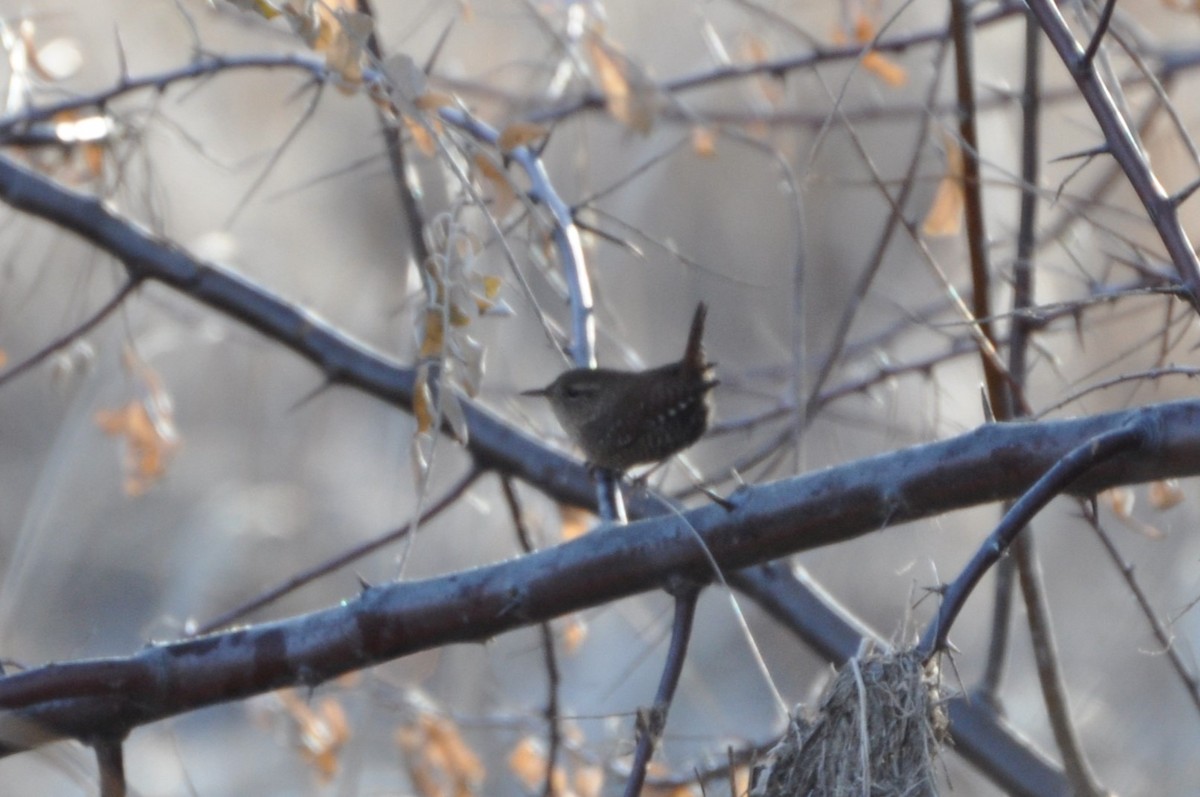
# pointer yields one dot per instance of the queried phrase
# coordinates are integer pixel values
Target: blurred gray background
(265, 484)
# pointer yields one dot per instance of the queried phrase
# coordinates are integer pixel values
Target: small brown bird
(626, 418)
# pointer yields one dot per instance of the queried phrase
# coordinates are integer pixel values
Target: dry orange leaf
(704, 141)
(945, 214)
(146, 427)
(503, 195)
(575, 521)
(421, 136)
(423, 409)
(741, 780)
(260, 7)
(754, 50)
(459, 318)
(527, 762)
(669, 791)
(1163, 494)
(432, 100)
(884, 68)
(346, 51)
(321, 733)
(588, 781)
(93, 159)
(491, 286)
(574, 633)
(521, 134)
(628, 98)
(433, 334)
(1120, 500)
(440, 762)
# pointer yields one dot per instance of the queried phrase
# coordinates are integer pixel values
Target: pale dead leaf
(146, 427)
(263, 8)
(520, 134)
(575, 522)
(873, 61)
(347, 52)
(504, 198)
(453, 414)
(440, 762)
(574, 633)
(433, 334)
(945, 214)
(491, 286)
(629, 97)
(421, 136)
(321, 732)
(1120, 500)
(589, 780)
(423, 409)
(885, 69)
(704, 141)
(753, 49)
(433, 100)
(1164, 494)
(527, 762)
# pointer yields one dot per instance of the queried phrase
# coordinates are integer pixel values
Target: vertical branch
(866, 279)
(1162, 633)
(553, 734)
(394, 143)
(1053, 482)
(1045, 654)
(1121, 143)
(964, 57)
(1025, 555)
(110, 758)
(1093, 47)
(651, 722)
(1021, 325)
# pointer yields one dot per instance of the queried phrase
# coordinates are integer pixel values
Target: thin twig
(652, 721)
(553, 733)
(1089, 55)
(1021, 327)
(110, 759)
(1187, 678)
(1046, 661)
(1161, 211)
(336, 563)
(963, 32)
(66, 339)
(1053, 482)
(781, 66)
(393, 141)
(876, 259)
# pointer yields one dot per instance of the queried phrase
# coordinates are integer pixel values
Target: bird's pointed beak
(541, 391)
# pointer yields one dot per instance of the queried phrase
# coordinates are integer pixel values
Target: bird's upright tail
(693, 355)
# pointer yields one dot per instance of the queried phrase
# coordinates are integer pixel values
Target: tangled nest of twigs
(877, 732)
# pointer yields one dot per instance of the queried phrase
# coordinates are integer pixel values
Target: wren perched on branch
(626, 418)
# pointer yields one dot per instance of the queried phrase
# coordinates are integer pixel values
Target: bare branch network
(484, 190)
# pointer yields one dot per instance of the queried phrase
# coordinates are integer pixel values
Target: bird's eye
(573, 391)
